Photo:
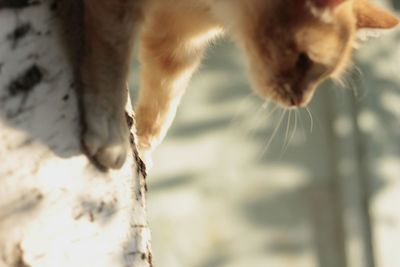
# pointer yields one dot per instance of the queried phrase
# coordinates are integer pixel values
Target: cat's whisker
(271, 112)
(351, 83)
(257, 119)
(356, 79)
(264, 118)
(350, 78)
(283, 113)
(294, 129)
(266, 104)
(287, 138)
(355, 90)
(301, 122)
(292, 134)
(358, 69)
(311, 119)
(287, 130)
(238, 121)
(300, 119)
(241, 108)
(341, 81)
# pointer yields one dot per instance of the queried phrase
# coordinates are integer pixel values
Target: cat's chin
(288, 100)
(295, 101)
(290, 104)
(285, 93)
(299, 99)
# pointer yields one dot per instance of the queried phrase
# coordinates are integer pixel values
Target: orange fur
(291, 46)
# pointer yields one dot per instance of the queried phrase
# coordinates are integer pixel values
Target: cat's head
(294, 45)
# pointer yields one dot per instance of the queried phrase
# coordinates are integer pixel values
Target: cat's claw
(106, 138)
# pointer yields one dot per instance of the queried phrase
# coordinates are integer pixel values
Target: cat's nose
(295, 101)
(298, 99)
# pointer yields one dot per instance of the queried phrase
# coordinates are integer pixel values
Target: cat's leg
(109, 27)
(160, 93)
(170, 52)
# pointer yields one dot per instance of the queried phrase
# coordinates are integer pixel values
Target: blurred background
(240, 183)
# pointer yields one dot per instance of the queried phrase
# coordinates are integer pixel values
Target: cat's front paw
(106, 137)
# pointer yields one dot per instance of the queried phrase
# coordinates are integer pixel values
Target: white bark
(56, 207)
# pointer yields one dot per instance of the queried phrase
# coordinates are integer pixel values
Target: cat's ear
(371, 16)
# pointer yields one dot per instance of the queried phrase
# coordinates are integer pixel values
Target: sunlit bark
(56, 207)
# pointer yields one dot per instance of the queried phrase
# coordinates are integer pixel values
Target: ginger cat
(290, 45)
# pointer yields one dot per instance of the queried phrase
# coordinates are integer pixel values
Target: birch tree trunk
(56, 207)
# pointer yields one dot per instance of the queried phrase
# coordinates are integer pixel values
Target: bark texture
(56, 207)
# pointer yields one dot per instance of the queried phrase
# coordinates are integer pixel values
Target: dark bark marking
(65, 97)
(22, 85)
(54, 5)
(150, 257)
(26, 81)
(94, 210)
(17, 4)
(19, 257)
(18, 33)
(140, 166)
(139, 226)
(26, 203)
(91, 217)
(129, 120)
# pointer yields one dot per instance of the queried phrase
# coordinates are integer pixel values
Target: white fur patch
(365, 34)
(325, 14)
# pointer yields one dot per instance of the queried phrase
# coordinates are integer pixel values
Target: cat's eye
(303, 62)
(309, 69)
